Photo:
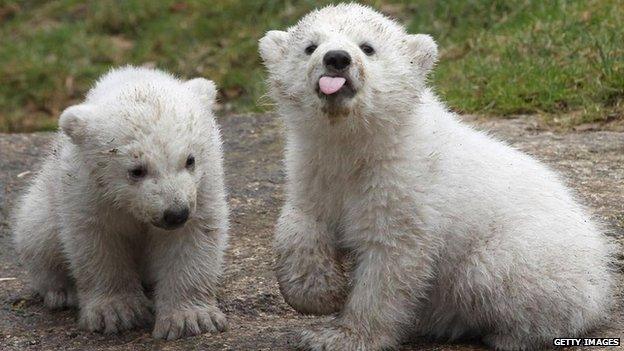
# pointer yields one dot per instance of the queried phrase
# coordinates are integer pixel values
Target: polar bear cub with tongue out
(404, 220)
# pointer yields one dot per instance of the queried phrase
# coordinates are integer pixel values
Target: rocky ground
(591, 161)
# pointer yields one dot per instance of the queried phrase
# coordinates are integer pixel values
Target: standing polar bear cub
(132, 196)
(451, 233)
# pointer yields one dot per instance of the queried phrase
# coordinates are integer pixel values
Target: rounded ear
(204, 89)
(423, 50)
(74, 122)
(272, 46)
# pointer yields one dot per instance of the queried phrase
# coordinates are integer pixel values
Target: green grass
(561, 59)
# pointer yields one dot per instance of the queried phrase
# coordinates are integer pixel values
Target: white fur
(88, 233)
(451, 232)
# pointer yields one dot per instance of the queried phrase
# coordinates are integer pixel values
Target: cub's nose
(337, 60)
(174, 218)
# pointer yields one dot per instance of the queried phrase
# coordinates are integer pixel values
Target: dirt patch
(591, 161)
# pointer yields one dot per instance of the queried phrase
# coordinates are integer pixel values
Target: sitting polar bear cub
(451, 233)
(133, 194)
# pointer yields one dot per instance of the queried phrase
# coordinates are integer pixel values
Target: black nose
(175, 217)
(337, 60)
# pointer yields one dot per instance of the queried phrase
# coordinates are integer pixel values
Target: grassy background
(562, 59)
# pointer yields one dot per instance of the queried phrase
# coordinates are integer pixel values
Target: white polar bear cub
(451, 233)
(133, 195)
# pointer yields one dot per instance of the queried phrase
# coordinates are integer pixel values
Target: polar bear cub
(131, 196)
(450, 232)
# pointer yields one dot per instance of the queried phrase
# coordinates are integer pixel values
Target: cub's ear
(272, 46)
(204, 89)
(74, 122)
(423, 50)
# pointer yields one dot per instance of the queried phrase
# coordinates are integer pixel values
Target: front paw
(115, 313)
(339, 338)
(188, 322)
(322, 291)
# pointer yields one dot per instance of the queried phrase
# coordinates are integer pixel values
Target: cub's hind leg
(36, 237)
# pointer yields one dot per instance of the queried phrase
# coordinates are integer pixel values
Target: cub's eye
(310, 49)
(190, 161)
(137, 173)
(367, 49)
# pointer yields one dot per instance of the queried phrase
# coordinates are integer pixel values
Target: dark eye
(367, 49)
(310, 49)
(190, 161)
(138, 172)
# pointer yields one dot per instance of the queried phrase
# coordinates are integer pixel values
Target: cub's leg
(388, 281)
(391, 277)
(36, 237)
(520, 294)
(308, 268)
(540, 293)
(104, 266)
(186, 265)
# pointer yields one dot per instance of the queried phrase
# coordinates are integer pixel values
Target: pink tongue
(330, 85)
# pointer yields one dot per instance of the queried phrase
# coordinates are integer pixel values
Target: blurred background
(563, 60)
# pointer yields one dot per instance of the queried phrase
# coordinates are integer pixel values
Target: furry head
(346, 60)
(144, 142)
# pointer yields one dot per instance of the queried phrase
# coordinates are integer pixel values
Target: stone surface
(591, 161)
